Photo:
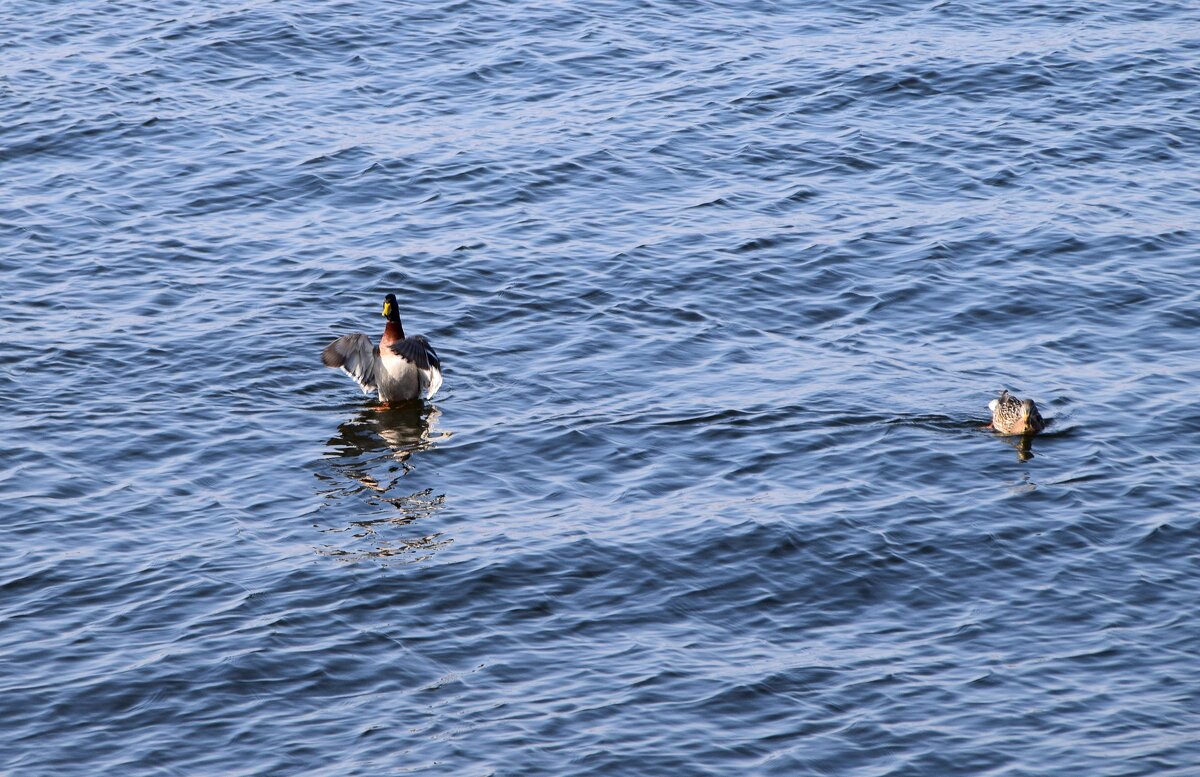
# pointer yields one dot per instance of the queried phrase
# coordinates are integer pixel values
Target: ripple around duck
(721, 298)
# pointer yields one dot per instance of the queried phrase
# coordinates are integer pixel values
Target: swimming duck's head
(390, 311)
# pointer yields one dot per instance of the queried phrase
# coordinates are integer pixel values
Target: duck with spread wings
(399, 368)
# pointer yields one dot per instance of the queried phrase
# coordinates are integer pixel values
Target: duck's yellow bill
(387, 309)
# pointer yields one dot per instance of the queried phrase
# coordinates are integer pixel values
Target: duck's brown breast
(391, 333)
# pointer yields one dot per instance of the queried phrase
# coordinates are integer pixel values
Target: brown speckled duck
(1014, 416)
(400, 368)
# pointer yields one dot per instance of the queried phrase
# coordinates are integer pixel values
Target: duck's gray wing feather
(417, 351)
(356, 356)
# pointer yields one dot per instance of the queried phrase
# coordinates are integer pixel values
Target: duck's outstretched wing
(356, 356)
(417, 351)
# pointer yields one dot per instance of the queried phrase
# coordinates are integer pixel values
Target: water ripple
(721, 294)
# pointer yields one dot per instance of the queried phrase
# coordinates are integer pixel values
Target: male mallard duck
(1014, 416)
(400, 368)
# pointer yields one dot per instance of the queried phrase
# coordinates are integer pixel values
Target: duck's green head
(390, 311)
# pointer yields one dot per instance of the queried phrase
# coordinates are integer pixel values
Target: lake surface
(721, 292)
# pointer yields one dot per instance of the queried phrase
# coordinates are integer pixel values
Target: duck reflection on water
(1024, 446)
(371, 455)
(398, 430)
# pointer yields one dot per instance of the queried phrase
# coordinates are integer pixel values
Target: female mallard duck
(399, 368)
(1014, 416)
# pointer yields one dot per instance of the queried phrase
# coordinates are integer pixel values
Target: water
(722, 292)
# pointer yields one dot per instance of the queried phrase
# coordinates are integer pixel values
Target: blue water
(721, 292)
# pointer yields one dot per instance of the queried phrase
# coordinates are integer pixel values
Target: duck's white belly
(398, 380)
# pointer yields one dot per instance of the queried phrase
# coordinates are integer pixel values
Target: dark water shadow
(369, 461)
(931, 421)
